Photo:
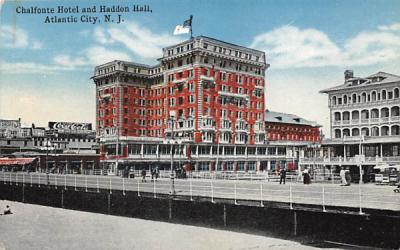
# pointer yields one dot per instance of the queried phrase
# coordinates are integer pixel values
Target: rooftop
(210, 39)
(277, 117)
(357, 82)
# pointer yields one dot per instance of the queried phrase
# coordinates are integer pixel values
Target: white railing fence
(239, 190)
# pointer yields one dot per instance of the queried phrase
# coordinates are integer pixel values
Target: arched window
(355, 132)
(346, 115)
(365, 131)
(355, 115)
(384, 112)
(337, 116)
(395, 130)
(373, 96)
(363, 97)
(345, 99)
(395, 111)
(374, 131)
(346, 132)
(364, 114)
(396, 93)
(384, 130)
(338, 133)
(383, 94)
(354, 98)
(334, 100)
(374, 113)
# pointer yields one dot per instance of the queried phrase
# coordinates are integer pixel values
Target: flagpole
(191, 24)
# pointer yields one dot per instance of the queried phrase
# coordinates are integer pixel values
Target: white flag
(179, 29)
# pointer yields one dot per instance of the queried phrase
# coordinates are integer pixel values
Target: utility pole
(172, 177)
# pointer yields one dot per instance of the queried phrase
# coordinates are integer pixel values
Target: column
(329, 153)
(258, 165)
(141, 150)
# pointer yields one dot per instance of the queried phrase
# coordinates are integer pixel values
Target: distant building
(15, 138)
(365, 125)
(289, 127)
(72, 137)
(60, 137)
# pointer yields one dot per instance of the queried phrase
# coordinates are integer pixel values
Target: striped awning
(15, 161)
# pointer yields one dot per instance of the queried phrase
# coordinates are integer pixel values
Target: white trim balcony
(374, 120)
(243, 96)
(395, 118)
(207, 78)
(178, 81)
(350, 160)
(384, 119)
(225, 129)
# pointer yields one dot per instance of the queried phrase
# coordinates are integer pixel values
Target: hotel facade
(365, 122)
(201, 107)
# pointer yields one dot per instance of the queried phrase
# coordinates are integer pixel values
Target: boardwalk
(355, 196)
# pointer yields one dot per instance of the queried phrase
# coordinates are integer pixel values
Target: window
(191, 87)
(191, 99)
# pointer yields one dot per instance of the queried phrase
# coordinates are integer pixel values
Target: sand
(39, 227)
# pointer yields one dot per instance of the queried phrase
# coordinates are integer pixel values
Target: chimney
(348, 74)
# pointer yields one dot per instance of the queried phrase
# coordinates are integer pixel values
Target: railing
(366, 104)
(259, 191)
(373, 159)
(355, 121)
(374, 120)
(395, 118)
(346, 122)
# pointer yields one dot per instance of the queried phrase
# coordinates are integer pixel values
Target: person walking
(282, 174)
(157, 172)
(342, 174)
(143, 175)
(347, 176)
(153, 173)
(306, 176)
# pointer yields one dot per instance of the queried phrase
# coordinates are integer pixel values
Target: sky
(45, 68)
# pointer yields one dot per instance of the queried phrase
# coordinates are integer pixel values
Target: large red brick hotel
(206, 97)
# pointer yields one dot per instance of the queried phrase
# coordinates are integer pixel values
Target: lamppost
(47, 160)
(171, 119)
(361, 157)
(116, 151)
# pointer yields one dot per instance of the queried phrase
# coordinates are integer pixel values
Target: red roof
(16, 161)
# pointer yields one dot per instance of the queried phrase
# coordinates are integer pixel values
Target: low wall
(376, 230)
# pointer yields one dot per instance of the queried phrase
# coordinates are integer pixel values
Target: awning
(15, 161)
(383, 167)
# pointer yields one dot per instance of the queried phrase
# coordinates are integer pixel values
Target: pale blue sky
(45, 69)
